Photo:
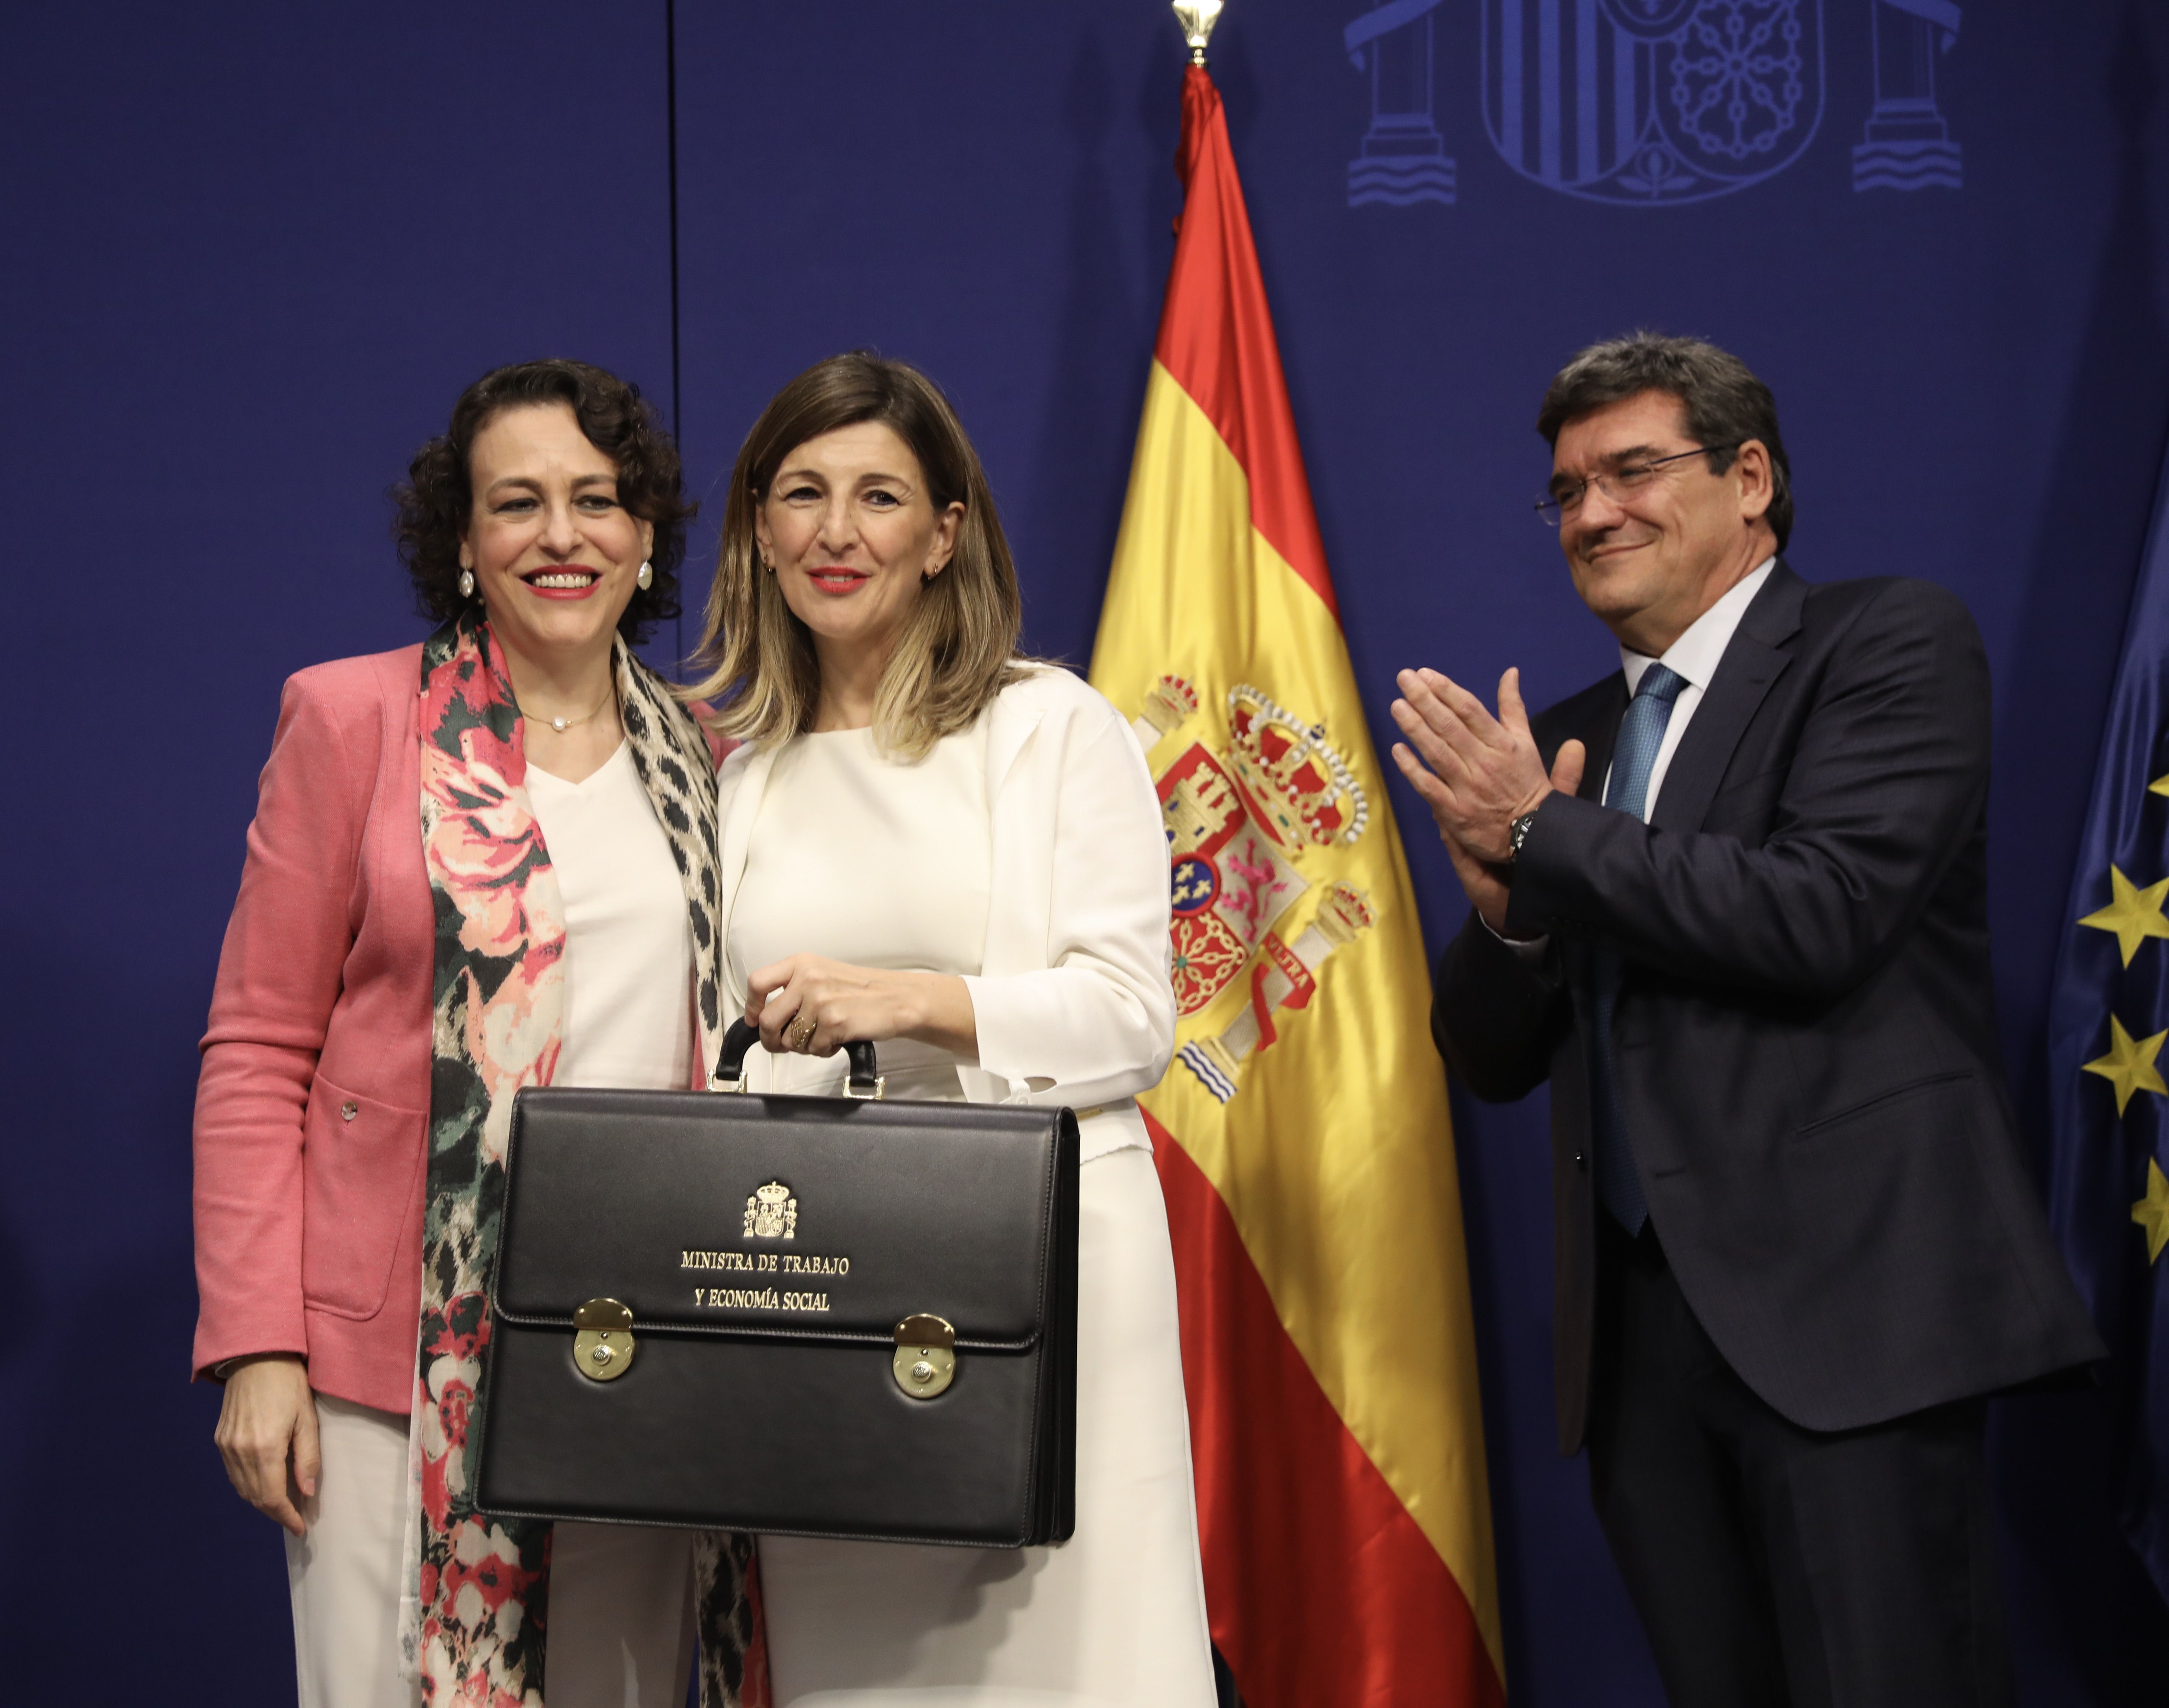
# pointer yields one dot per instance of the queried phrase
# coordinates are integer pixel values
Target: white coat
(1073, 1003)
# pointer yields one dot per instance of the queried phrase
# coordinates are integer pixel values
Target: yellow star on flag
(2151, 1212)
(2133, 913)
(2160, 786)
(2129, 1066)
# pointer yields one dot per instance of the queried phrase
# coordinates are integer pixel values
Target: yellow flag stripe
(1335, 1156)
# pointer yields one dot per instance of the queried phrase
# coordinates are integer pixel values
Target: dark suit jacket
(1805, 1036)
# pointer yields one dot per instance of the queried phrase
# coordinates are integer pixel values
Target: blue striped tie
(1641, 734)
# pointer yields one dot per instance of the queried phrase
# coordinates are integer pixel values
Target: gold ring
(802, 1031)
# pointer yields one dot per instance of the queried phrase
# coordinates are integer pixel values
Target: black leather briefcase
(818, 1316)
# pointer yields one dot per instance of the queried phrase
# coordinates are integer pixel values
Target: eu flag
(2108, 1197)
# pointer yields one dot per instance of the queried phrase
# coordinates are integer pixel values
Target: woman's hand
(811, 1005)
(267, 1422)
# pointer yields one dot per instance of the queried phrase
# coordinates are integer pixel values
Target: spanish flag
(1303, 1139)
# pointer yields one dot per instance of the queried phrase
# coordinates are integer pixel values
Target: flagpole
(1197, 17)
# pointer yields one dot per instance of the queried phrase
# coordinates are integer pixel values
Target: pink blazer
(312, 1107)
(313, 1103)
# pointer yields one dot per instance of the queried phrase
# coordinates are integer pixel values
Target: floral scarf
(474, 1628)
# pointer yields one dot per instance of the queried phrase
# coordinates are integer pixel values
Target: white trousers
(621, 1630)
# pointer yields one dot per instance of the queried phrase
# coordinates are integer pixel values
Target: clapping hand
(1478, 774)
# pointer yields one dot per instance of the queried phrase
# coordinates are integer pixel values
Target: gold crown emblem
(1302, 789)
(1168, 701)
(1345, 912)
(771, 1213)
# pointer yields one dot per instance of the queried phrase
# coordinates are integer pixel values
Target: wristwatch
(1518, 833)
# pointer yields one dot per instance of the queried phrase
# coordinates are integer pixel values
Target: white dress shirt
(1693, 657)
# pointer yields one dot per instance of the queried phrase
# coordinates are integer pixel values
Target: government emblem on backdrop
(1652, 100)
(1244, 821)
(1650, 103)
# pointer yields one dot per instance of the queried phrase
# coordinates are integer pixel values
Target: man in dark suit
(1731, 902)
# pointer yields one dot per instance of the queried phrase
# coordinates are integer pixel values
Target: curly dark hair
(437, 497)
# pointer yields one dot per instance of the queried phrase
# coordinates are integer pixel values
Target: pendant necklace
(562, 724)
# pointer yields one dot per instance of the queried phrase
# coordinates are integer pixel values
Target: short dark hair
(1725, 404)
(437, 497)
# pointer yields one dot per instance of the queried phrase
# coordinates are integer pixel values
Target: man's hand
(1488, 888)
(1478, 774)
(267, 1435)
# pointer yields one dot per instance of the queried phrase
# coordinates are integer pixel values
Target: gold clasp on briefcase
(604, 1347)
(926, 1361)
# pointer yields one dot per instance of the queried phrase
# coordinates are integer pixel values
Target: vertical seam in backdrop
(677, 405)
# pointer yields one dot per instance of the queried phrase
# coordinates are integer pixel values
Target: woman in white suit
(933, 843)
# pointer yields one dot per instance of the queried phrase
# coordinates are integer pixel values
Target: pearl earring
(647, 576)
(466, 584)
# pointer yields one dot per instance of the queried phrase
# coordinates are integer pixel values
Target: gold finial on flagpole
(1197, 17)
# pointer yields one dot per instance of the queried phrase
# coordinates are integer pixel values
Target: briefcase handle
(730, 1063)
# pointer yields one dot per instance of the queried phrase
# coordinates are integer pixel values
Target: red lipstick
(836, 580)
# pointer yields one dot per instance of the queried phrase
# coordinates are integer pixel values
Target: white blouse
(628, 1013)
(876, 862)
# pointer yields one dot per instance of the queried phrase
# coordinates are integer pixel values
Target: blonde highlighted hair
(958, 648)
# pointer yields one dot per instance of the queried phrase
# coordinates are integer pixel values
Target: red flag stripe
(1308, 1553)
(1216, 338)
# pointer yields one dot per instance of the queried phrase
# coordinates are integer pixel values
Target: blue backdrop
(252, 255)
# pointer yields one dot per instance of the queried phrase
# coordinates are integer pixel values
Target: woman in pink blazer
(480, 862)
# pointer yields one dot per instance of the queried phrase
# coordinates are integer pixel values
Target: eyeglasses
(1615, 484)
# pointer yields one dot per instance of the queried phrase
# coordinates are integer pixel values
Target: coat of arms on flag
(1240, 818)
